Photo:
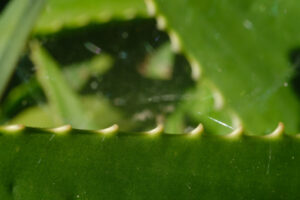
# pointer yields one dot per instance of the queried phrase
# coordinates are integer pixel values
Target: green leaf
(21, 96)
(242, 47)
(16, 23)
(159, 64)
(63, 100)
(38, 164)
(78, 74)
(95, 106)
(37, 116)
(199, 105)
(77, 13)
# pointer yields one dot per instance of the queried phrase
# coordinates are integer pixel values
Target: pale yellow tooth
(277, 132)
(175, 42)
(218, 99)
(150, 7)
(198, 130)
(196, 69)
(236, 133)
(62, 129)
(161, 22)
(110, 130)
(157, 130)
(235, 119)
(13, 128)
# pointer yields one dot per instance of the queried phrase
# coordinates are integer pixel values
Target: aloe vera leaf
(77, 13)
(242, 47)
(16, 23)
(199, 105)
(63, 100)
(39, 164)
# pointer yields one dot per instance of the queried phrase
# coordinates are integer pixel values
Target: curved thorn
(218, 99)
(198, 130)
(110, 130)
(277, 132)
(157, 130)
(235, 119)
(236, 133)
(161, 22)
(62, 129)
(196, 69)
(175, 42)
(150, 7)
(13, 128)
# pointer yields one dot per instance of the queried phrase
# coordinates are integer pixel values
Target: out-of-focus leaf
(15, 24)
(38, 164)
(104, 114)
(18, 97)
(63, 100)
(159, 64)
(38, 116)
(96, 107)
(79, 73)
(76, 13)
(243, 47)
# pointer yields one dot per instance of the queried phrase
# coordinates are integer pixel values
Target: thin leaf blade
(15, 24)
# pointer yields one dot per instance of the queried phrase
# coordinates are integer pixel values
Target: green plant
(99, 63)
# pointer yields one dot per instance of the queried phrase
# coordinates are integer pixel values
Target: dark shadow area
(294, 57)
(3, 3)
(117, 38)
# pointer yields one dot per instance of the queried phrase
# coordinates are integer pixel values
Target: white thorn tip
(196, 69)
(235, 120)
(157, 130)
(277, 132)
(112, 129)
(161, 22)
(218, 99)
(150, 7)
(238, 132)
(198, 130)
(13, 128)
(62, 129)
(175, 42)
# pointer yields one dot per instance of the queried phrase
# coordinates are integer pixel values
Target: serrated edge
(155, 131)
(199, 130)
(277, 133)
(109, 130)
(61, 129)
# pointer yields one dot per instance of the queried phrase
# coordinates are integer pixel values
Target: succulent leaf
(242, 47)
